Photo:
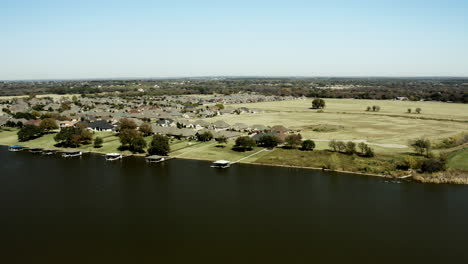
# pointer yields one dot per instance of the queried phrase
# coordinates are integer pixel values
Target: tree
(205, 136)
(146, 129)
(418, 110)
(332, 145)
(29, 132)
(220, 106)
(308, 145)
(350, 147)
(362, 146)
(48, 124)
(341, 146)
(132, 140)
(244, 143)
(159, 145)
(369, 152)
(64, 107)
(409, 110)
(421, 146)
(268, 141)
(368, 109)
(221, 140)
(294, 140)
(126, 123)
(375, 108)
(73, 136)
(318, 103)
(98, 142)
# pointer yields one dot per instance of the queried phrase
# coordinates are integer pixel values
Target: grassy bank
(381, 164)
(459, 160)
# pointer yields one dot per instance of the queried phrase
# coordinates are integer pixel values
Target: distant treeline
(415, 89)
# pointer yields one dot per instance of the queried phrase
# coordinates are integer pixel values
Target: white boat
(35, 150)
(156, 158)
(70, 154)
(15, 148)
(48, 152)
(222, 164)
(113, 156)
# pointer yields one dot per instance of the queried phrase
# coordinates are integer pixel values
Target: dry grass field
(348, 120)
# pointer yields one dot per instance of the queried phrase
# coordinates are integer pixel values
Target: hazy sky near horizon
(142, 38)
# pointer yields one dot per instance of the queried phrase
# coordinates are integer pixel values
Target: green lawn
(212, 151)
(459, 160)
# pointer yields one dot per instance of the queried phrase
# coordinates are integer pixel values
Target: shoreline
(251, 163)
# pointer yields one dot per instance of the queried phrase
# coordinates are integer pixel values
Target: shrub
(98, 141)
(433, 165)
(407, 163)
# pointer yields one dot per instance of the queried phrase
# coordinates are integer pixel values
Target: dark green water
(86, 210)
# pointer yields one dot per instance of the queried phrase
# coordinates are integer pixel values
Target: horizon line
(237, 76)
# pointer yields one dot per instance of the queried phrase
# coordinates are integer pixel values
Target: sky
(150, 39)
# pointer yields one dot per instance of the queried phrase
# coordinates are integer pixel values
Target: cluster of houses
(179, 116)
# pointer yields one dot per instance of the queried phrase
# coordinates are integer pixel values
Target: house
(259, 128)
(220, 125)
(101, 125)
(240, 127)
(63, 124)
(279, 129)
(199, 124)
(185, 123)
(166, 122)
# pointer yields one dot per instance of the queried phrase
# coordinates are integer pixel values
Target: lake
(87, 210)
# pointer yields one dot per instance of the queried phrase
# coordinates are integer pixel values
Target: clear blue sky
(101, 39)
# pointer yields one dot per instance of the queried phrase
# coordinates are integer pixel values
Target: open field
(349, 120)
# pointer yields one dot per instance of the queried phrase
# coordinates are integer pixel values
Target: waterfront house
(101, 125)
